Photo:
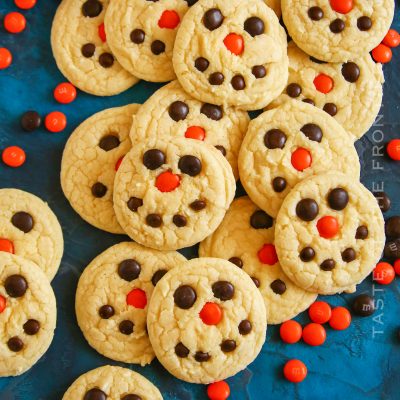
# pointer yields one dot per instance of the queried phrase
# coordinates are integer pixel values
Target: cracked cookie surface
(206, 320)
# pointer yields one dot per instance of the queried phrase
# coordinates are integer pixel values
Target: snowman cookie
(27, 314)
(114, 383)
(335, 30)
(287, 144)
(29, 229)
(171, 112)
(246, 238)
(329, 233)
(231, 53)
(206, 320)
(112, 296)
(141, 34)
(351, 92)
(170, 194)
(81, 50)
(90, 160)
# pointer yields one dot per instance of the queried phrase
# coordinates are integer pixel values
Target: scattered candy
(314, 334)
(320, 312)
(323, 83)
(363, 305)
(340, 319)
(397, 266)
(137, 298)
(392, 227)
(211, 314)
(65, 93)
(301, 159)
(328, 227)
(25, 4)
(392, 38)
(218, 391)
(55, 121)
(14, 22)
(383, 201)
(382, 54)
(384, 273)
(7, 246)
(30, 121)
(3, 303)
(267, 254)
(393, 149)
(290, 331)
(295, 371)
(13, 156)
(5, 58)
(234, 43)
(392, 249)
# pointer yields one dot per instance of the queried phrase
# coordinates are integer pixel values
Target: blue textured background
(354, 364)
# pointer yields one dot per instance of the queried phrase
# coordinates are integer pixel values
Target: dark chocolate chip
(228, 345)
(185, 296)
(95, 394)
(261, 220)
(191, 2)
(392, 227)
(23, 221)
(315, 60)
(237, 261)
(254, 26)
(181, 350)
(245, 327)
(307, 209)
(92, 8)
(201, 64)
(212, 111)
(331, 109)
(383, 201)
(178, 111)
(307, 254)
(99, 190)
(238, 82)
(131, 397)
(106, 60)
(106, 311)
(293, 90)
(275, 139)
(15, 344)
(129, 270)
(137, 36)
(134, 203)
(337, 26)
(154, 220)
(362, 232)
(157, 47)
(179, 220)
(259, 71)
(157, 276)
(255, 281)
(315, 13)
(338, 199)
(364, 23)
(363, 305)
(221, 149)
(350, 72)
(392, 250)
(279, 184)
(126, 327)
(31, 327)
(201, 357)
(309, 101)
(278, 286)
(190, 165)
(313, 132)
(216, 78)
(198, 205)
(153, 159)
(109, 142)
(223, 290)
(213, 19)
(328, 265)
(16, 286)
(349, 255)
(88, 50)
(30, 121)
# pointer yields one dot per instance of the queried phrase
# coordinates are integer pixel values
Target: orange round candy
(295, 371)
(55, 121)
(393, 149)
(195, 132)
(5, 58)
(169, 19)
(397, 266)
(301, 159)
(167, 181)
(14, 22)
(25, 4)
(7, 246)
(314, 334)
(102, 33)
(323, 83)
(382, 54)
(65, 93)
(392, 38)
(234, 43)
(340, 319)
(137, 298)
(118, 163)
(290, 331)
(3, 303)
(218, 391)
(320, 312)
(384, 273)
(342, 6)
(328, 227)
(211, 314)
(267, 254)
(14, 156)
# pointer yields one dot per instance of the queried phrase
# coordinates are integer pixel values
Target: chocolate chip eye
(293, 90)
(259, 71)
(181, 350)
(313, 132)
(278, 286)
(307, 209)
(228, 345)
(261, 220)
(95, 394)
(315, 13)
(337, 26)
(331, 109)
(137, 36)
(201, 64)
(213, 19)
(211, 111)
(307, 254)
(99, 190)
(126, 327)
(254, 26)
(279, 184)
(223, 290)
(106, 60)
(185, 296)
(237, 261)
(134, 203)
(178, 111)
(157, 276)
(153, 159)
(362, 232)
(216, 78)
(328, 265)
(31, 327)
(109, 142)
(338, 199)
(245, 327)
(350, 72)
(15, 344)
(92, 8)
(88, 50)
(16, 286)
(275, 139)
(238, 82)
(349, 255)
(190, 165)
(364, 23)
(129, 270)
(23, 221)
(131, 397)
(157, 47)
(106, 311)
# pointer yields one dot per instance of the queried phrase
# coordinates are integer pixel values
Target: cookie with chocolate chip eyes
(81, 50)
(351, 92)
(329, 233)
(111, 382)
(206, 320)
(141, 34)
(246, 238)
(288, 144)
(27, 314)
(231, 53)
(170, 194)
(90, 160)
(337, 31)
(112, 296)
(30, 229)
(171, 112)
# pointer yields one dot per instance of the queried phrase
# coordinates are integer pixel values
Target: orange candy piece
(267, 254)
(7, 246)
(383, 273)
(3, 303)
(392, 38)
(290, 331)
(301, 159)
(393, 149)
(234, 43)
(118, 164)
(5, 58)
(137, 298)
(382, 54)
(169, 19)
(328, 227)
(14, 156)
(314, 334)
(65, 93)
(397, 266)
(295, 371)
(342, 6)
(14, 22)
(211, 314)
(340, 319)
(195, 132)
(218, 391)
(25, 4)
(55, 121)
(102, 33)
(167, 181)
(323, 83)
(320, 312)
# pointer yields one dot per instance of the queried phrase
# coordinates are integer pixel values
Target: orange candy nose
(342, 6)
(7, 246)
(3, 304)
(234, 43)
(195, 132)
(169, 19)
(167, 182)
(301, 159)
(102, 33)
(323, 83)
(267, 254)
(137, 298)
(328, 227)
(118, 163)
(211, 314)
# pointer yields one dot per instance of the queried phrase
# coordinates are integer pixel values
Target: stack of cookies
(165, 172)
